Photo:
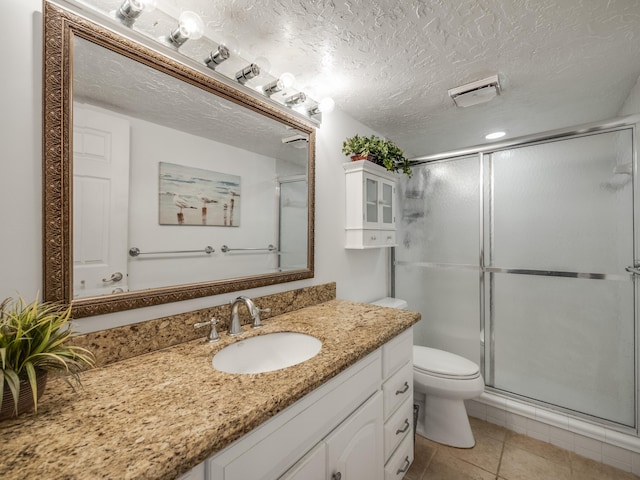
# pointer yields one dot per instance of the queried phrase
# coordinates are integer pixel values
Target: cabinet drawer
(359, 238)
(380, 238)
(397, 389)
(397, 352)
(399, 425)
(400, 461)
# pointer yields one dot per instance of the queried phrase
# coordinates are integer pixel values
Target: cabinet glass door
(371, 200)
(387, 203)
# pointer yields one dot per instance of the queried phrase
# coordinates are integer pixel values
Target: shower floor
(501, 454)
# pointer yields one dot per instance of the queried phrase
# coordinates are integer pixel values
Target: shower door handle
(633, 270)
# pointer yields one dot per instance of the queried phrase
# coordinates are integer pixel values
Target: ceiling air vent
(297, 141)
(473, 93)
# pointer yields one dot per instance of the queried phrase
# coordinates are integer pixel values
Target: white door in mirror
(266, 353)
(100, 199)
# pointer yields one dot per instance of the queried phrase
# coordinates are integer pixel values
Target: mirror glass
(180, 186)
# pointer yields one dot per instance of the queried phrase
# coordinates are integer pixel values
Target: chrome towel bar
(226, 249)
(135, 251)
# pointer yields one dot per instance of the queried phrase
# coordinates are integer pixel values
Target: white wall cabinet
(370, 205)
(337, 432)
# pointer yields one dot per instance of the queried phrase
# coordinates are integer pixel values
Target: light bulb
(265, 64)
(190, 26)
(147, 5)
(326, 105)
(287, 79)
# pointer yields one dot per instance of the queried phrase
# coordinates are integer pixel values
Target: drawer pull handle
(338, 475)
(406, 427)
(404, 389)
(405, 467)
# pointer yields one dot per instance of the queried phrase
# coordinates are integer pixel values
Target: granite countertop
(158, 415)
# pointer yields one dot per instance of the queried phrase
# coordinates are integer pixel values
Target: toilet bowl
(442, 381)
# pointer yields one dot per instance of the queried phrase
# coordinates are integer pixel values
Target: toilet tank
(391, 302)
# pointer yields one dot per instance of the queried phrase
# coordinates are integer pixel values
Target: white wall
(254, 213)
(360, 275)
(632, 103)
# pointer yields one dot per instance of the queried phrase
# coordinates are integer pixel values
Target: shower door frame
(631, 122)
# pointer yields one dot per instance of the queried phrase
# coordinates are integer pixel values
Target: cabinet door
(355, 448)
(371, 195)
(310, 467)
(379, 202)
(197, 473)
(387, 203)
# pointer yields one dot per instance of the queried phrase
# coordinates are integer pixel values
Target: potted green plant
(378, 150)
(33, 343)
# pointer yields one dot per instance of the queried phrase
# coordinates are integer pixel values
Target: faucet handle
(257, 321)
(213, 334)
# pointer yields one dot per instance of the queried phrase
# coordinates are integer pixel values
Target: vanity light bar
(191, 27)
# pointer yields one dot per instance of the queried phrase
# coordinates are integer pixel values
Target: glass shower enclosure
(523, 259)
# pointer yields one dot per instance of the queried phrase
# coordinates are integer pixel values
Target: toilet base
(445, 421)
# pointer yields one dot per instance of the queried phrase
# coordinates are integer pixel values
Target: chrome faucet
(234, 328)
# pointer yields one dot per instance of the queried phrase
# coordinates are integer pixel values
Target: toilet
(442, 381)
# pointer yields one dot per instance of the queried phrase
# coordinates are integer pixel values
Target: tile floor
(500, 454)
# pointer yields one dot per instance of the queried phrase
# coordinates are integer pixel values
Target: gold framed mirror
(215, 194)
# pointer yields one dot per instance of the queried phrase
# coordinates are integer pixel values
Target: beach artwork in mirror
(156, 152)
(194, 196)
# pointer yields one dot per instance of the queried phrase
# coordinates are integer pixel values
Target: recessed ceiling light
(494, 135)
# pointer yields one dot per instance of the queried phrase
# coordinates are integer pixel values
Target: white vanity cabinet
(334, 427)
(370, 205)
(397, 391)
(196, 473)
(338, 431)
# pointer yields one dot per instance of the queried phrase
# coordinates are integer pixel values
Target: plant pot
(355, 158)
(25, 397)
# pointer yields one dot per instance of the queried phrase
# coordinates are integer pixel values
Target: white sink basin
(266, 353)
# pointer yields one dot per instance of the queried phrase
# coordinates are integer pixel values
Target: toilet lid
(441, 363)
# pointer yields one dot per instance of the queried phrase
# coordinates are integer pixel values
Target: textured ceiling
(389, 63)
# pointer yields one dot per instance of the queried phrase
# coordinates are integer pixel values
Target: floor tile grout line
(504, 443)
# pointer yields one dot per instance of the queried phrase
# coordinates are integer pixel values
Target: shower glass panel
(567, 342)
(560, 206)
(448, 300)
(525, 249)
(561, 305)
(437, 265)
(292, 249)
